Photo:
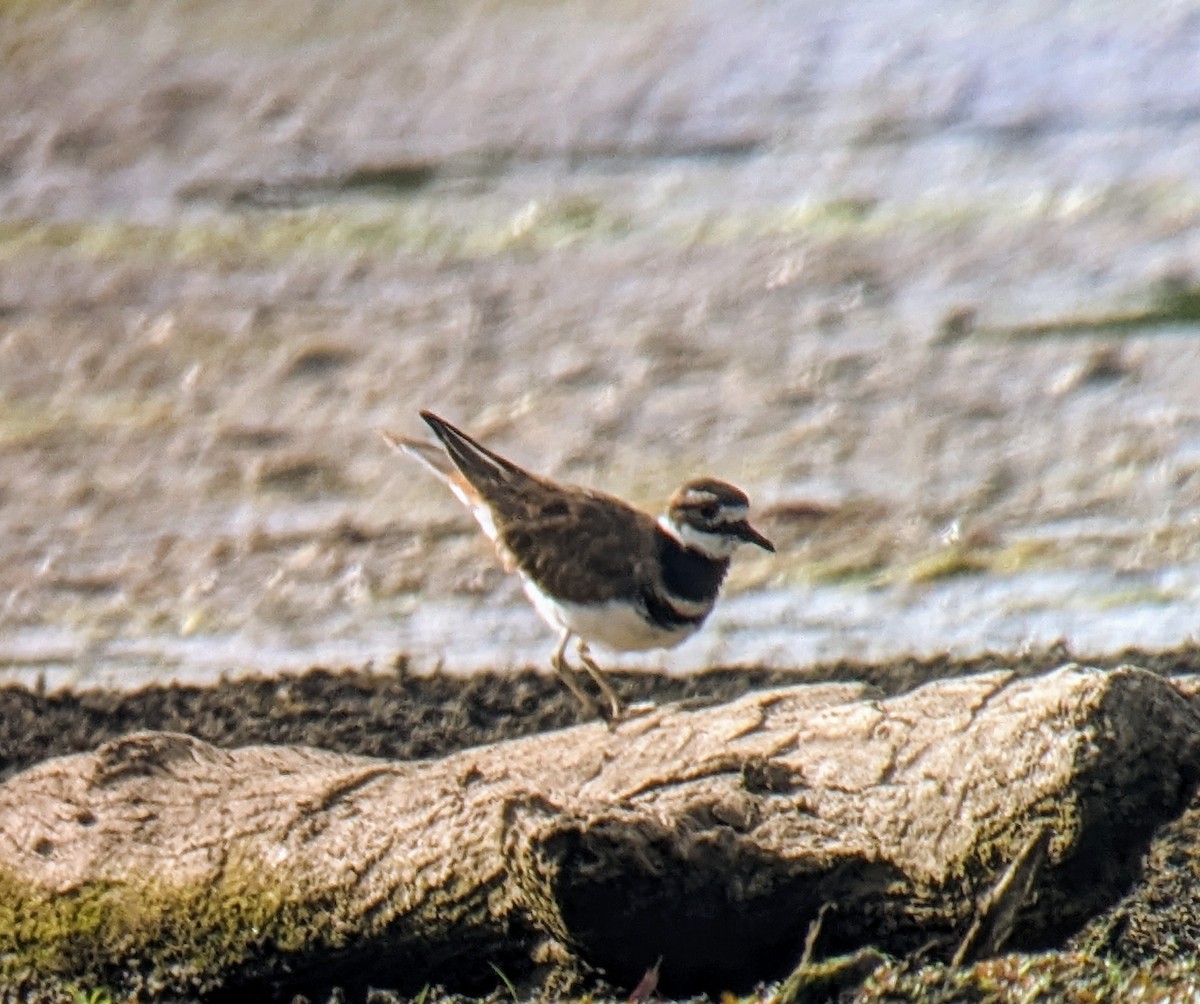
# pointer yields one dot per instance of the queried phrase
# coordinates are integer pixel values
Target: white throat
(714, 545)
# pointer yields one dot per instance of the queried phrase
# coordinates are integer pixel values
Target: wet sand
(926, 292)
(925, 285)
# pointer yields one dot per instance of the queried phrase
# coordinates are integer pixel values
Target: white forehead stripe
(715, 545)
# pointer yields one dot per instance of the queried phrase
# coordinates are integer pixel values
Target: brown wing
(582, 545)
(577, 544)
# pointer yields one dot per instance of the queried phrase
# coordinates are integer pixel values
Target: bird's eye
(709, 511)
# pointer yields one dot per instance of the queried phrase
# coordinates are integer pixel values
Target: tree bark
(709, 836)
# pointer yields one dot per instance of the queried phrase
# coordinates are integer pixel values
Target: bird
(595, 567)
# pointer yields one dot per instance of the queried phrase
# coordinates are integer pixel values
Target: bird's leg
(567, 675)
(616, 708)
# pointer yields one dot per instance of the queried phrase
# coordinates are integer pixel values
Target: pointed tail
(429, 454)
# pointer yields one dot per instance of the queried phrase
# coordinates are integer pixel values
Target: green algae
(965, 559)
(1170, 303)
(156, 936)
(1068, 977)
(406, 210)
(263, 237)
(34, 421)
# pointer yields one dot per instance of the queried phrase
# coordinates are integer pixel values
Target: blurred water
(1094, 613)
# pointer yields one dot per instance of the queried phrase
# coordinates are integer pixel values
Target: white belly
(614, 625)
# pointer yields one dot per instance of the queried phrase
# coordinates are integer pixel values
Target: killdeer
(594, 567)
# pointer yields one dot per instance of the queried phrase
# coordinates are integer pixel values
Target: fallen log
(711, 837)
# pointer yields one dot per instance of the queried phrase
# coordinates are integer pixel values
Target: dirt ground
(405, 717)
(399, 716)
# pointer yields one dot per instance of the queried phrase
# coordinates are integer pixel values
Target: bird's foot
(630, 712)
